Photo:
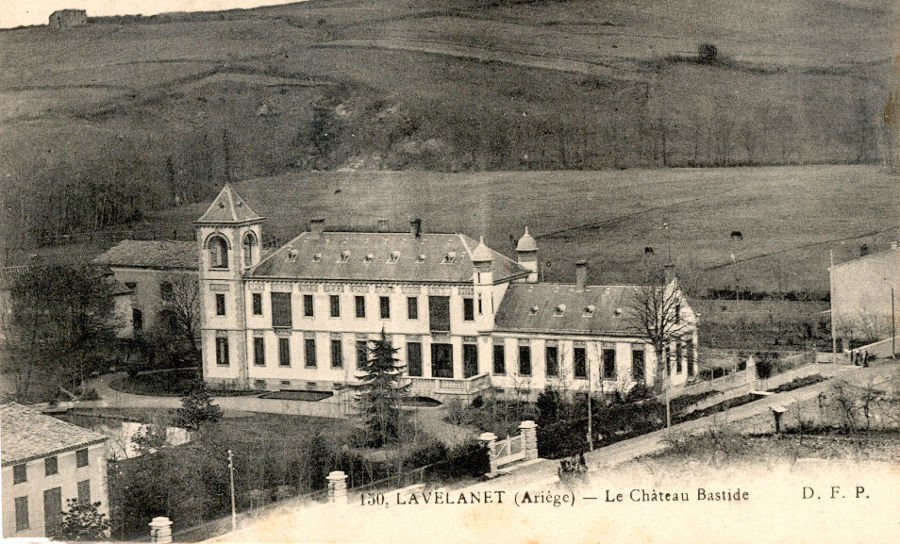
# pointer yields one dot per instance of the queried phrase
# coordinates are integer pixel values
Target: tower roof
(526, 242)
(482, 253)
(229, 207)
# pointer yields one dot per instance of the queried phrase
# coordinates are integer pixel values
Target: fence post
(160, 530)
(529, 432)
(487, 440)
(337, 487)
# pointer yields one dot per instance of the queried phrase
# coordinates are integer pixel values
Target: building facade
(465, 318)
(147, 270)
(45, 462)
(862, 308)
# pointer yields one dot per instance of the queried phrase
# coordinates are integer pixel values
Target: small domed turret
(526, 242)
(482, 254)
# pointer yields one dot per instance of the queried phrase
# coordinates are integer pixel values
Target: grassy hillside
(100, 124)
(790, 217)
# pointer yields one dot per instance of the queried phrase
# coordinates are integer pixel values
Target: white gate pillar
(488, 440)
(529, 434)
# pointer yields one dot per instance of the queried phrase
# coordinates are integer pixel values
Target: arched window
(249, 247)
(218, 252)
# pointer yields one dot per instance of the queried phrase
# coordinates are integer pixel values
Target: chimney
(317, 226)
(415, 227)
(382, 225)
(863, 250)
(669, 272)
(580, 275)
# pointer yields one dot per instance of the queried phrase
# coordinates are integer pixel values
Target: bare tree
(656, 312)
(181, 303)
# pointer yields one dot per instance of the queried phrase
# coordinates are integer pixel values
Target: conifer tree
(380, 393)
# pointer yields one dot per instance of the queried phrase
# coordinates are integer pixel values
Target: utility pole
(231, 478)
(831, 303)
(893, 327)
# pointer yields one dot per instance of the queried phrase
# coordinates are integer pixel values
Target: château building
(464, 317)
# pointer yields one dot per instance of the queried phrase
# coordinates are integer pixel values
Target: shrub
(640, 391)
(707, 53)
(90, 394)
(81, 521)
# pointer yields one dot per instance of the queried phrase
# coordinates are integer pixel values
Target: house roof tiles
(377, 256)
(27, 434)
(560, 308)
(152, 254)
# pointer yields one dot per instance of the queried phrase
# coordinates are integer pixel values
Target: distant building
(861, 296)
(67, 18)
(464, 317)
(45, 462)
(146, 268)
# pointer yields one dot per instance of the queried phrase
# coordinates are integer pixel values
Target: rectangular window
(609, 363)
(689, 348)
(21, 513)
(441, 361)
(337, 354)
(81, 458)
(281, 310)
(551, 357)
(220, 304)
(385, 305)
(414, 358)
(257, 303)
(221, 351)
(678, 353)
(525, 360)
(52, 508)
(362, 352)
(84, 491)
(412, 307)
(470, 360)
(307, 305)
(468, 309)
(580, 363)
(51, 466)
(439, 314)
(499, 359)
(637, 365)
(334, 304)
(259, 352)
(20, 473)
(165, 291)
(137, 319)
(284, 352)
(360, 306)
(310, 351)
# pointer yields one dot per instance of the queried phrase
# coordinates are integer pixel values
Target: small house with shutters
(46, 462)
(464, 317)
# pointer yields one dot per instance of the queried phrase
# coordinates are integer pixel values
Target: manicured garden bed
(296, 394)
(167, 383)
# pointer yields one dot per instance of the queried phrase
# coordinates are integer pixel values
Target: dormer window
(317, 258)
(617, 312)
(369, 258)
(420, 258)
(450, 257)
(345, 256)
(394, 257)
(292, 255)
(589, 310)
(560, 310)
(534, 310)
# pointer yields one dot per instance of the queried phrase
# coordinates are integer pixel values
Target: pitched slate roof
(611, 313)
(369, 258)
(229, 207)
(152, 254)
(28, 434)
